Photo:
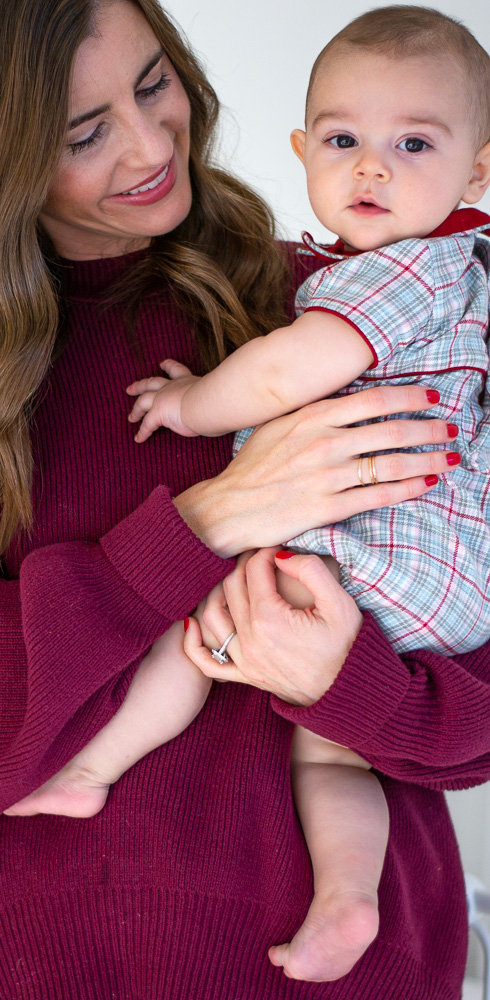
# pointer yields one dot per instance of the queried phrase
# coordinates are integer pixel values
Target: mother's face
(123, 176)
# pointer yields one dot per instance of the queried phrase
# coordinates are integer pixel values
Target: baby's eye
(413, 145)
(342, 141)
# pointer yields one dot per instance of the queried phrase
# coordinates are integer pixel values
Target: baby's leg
(344, 817)
(164, 697)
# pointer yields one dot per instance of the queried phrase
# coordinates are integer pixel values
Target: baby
(397, 134)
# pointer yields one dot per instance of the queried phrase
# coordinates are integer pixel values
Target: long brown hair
(222, 262)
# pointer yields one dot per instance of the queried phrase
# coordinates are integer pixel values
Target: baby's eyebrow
(437, 123)
(335, 114)
(342, 114)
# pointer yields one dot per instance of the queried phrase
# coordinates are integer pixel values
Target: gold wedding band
(371, 469)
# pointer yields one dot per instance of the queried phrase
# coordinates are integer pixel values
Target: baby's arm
(310, 359)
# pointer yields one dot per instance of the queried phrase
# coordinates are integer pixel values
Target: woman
(172, 890)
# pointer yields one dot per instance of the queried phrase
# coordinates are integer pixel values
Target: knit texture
(197, 864)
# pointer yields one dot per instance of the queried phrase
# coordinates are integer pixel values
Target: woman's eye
(145, 94)
(91, 140)
(413, 145)
(161, 84)
(342, 141)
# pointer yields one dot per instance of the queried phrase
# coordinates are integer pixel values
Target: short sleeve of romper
(386, 295)
(408, 302)
(422, 306)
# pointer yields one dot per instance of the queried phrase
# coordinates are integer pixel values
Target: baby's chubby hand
(159, 402)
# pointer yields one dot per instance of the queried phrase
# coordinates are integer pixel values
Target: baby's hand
(161, 400)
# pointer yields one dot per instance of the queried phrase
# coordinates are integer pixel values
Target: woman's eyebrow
(80, 119)
(149, 66)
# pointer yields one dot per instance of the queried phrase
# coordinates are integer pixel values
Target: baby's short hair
(401, 30)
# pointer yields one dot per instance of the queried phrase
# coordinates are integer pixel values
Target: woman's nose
(371, 165)
(147, 142)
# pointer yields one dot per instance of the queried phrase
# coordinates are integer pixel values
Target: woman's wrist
(207, 508)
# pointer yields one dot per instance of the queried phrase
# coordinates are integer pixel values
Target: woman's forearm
(420, 717)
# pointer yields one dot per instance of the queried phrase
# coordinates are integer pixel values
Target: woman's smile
(124, 174)
(150, 183)
(152, 190)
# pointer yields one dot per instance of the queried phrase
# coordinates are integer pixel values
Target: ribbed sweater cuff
(364, 696)
(160, 558)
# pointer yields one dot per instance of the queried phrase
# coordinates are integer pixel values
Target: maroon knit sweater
(197, 864)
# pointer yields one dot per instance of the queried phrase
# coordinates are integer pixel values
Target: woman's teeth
(151, 185)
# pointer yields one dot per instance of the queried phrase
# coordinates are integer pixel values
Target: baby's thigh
(310, 748)
(294, 592)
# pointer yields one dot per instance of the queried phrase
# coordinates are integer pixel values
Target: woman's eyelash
(78, 147)
(161, 84)
(146, 93)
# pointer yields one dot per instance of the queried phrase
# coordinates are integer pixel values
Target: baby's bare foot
(336, 932)
(74, 791)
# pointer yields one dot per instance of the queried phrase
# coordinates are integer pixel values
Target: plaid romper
(421, 568)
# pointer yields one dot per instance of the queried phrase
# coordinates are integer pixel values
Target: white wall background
(258, 55)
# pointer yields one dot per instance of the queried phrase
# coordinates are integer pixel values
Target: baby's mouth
(365, 205)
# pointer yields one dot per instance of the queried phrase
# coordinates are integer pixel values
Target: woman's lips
(154, 188)
(150, 182)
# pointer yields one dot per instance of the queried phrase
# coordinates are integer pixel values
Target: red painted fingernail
(431, 480)
(186, 624)
(284, 554)
(432, 395)
(453, 458)
(452, 430)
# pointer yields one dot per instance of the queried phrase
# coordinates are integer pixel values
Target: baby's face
(389, 150)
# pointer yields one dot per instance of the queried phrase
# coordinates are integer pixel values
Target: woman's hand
(291, 653)
(301, 471)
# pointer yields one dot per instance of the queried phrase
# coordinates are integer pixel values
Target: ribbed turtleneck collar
(88, 279)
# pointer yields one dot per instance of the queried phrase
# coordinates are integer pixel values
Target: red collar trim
(460, 221)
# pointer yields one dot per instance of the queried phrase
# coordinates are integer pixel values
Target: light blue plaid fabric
(421, 568)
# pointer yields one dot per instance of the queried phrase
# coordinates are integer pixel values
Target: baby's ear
(480, 178)
(298, 138)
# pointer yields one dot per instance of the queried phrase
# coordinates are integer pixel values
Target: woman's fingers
(236, 585)
(399, 433)
(213, 628)
(202, 657)
(301, 470)
(356, 501)
(398, 466)
(380, 401)
(217, 622)
(295, 654)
